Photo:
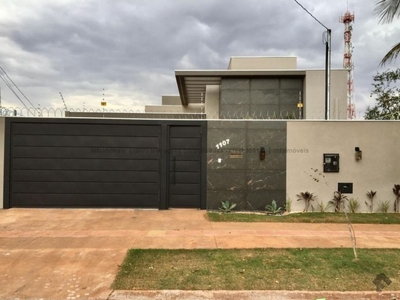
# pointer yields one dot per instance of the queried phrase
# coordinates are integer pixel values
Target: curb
(251, 295)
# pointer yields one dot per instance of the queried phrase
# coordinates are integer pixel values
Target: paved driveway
(75, 253)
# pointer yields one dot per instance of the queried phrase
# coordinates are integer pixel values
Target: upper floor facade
(257, 88)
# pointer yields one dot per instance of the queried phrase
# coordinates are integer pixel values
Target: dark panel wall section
(260, 97)
(103, 163)
(234, 169)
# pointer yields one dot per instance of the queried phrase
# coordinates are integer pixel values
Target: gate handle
(173, 169)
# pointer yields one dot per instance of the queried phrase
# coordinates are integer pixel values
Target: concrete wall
(338, 107)
(234, 169)
(378, 170)
(2, 132)
(191, 108)
(212, 101)
(314, 89)
(116, 115)
(262, 63)
(171, 100)
(294, 149)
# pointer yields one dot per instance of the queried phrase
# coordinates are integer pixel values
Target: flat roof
(192, 83)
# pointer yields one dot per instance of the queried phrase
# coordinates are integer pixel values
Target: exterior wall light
(358, 153)
(262, 153)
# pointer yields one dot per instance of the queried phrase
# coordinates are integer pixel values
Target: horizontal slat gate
(185, 166)
(85, 165)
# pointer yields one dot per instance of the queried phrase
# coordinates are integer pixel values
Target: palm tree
(387, 10)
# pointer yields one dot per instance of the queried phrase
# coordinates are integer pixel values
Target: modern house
(257, 88)
(250, 134)
(251, 88)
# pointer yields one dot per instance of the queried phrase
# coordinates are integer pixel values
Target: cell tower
(347, 19)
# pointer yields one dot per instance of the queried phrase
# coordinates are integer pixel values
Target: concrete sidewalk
(75, 253)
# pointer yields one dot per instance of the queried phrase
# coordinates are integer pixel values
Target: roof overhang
(192, 84)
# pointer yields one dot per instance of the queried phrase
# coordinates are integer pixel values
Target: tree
(387, 10)
(387, 94)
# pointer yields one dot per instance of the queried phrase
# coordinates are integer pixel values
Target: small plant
(322, 207)
(353, 205)
(227, 206)
(273, 209)
(307, 197)
(288, 204)
(338, 201)
(396, 191)
(383, 206)
(371, 194)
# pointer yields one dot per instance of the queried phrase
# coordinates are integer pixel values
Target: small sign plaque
(103, 103)
(236, 154)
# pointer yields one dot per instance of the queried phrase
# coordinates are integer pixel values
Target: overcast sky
(131, 48)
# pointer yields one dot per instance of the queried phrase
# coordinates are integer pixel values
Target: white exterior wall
(378, 170)
(314, 100)
(262, 63)
(212, 101)
(191, 108)
(171, 100)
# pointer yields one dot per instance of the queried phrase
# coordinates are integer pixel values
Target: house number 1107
(222, 144)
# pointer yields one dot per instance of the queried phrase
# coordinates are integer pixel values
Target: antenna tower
(347, 19)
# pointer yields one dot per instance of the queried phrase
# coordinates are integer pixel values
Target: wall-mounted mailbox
(331, 162)
(262, 153)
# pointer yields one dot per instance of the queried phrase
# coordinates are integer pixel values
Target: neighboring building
(251, 88)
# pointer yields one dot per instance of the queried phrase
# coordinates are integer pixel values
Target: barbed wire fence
(100, 113)
(43, 112)
(285, 115)
(54, 112)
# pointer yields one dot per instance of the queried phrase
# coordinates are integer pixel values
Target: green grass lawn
(258, 269)
(314, 217)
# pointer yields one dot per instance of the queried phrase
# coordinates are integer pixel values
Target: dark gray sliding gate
(104, 163)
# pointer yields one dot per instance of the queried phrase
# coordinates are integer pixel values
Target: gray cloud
(131, 48)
